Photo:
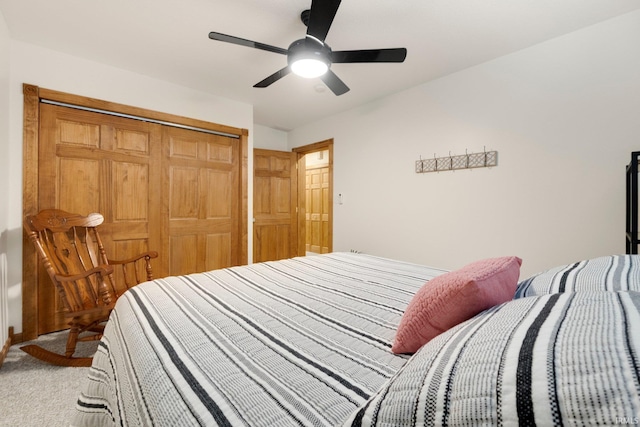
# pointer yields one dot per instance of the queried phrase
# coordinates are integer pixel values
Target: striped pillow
(560, 359)
(607, 273)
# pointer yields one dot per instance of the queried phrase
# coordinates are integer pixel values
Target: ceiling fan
(312, 57)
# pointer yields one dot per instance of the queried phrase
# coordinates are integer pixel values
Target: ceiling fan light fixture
(309, 58)
(309, 67)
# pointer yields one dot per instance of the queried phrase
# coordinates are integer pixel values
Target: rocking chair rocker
(87, 282)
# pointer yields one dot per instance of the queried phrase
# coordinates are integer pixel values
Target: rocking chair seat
(87, 282)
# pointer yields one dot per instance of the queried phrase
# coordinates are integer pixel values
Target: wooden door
(275, 199)
(317, 213)
(136, 172)
(204, 201)
(316, 197)
(91, 162)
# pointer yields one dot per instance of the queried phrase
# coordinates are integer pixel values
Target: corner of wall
(5, 340)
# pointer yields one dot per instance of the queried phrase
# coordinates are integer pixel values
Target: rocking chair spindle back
(73, 255)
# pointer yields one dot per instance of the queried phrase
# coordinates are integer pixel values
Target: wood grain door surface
(275, 227)
(159, 188)
(90, 162)
(203, 215)
(317, 210)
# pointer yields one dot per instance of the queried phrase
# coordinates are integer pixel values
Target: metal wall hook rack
(464, 161)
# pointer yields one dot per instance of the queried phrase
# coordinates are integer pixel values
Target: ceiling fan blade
(244, 42)
(321, 18)
(370, 55)
(334, 83)
(273, 77)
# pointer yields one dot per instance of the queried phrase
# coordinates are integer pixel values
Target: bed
(307, 342)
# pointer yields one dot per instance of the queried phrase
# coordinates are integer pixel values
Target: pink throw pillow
(454, 297)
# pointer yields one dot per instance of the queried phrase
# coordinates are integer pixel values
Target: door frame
(31, 124)
(327, 144)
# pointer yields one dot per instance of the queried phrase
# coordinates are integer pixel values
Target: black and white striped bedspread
(607, 273)
(552, 360)
(297, 342)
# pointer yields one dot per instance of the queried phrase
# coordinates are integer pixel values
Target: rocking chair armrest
(149, 255)
(103, 270)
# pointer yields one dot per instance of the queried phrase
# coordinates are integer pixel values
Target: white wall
(269, 138)
(54, 70)
(564, 117)
(4, 176)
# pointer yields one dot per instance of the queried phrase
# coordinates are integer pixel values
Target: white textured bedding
(606, 273)
(304, 341)
(307, 342)
(550, 360)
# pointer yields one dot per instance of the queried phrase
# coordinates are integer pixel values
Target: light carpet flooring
(34, 393)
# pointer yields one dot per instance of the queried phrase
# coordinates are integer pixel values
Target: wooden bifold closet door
(90, 162)
(174, 190)
(202, 179)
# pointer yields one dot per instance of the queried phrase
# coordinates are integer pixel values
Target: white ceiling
(168, 40)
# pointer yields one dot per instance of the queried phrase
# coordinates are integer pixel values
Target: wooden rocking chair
(87, 282)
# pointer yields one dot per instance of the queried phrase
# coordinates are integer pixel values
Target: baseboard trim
(15, 338)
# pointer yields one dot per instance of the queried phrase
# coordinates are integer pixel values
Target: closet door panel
(130, 180)
(219, 203)
(218, 250)
(184, 193)
(203, 194)
(78, 185)
(79, 133)
(131, 141)
(92, 162)
(184, 253)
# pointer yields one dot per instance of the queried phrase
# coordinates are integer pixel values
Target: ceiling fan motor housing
(309, 49)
